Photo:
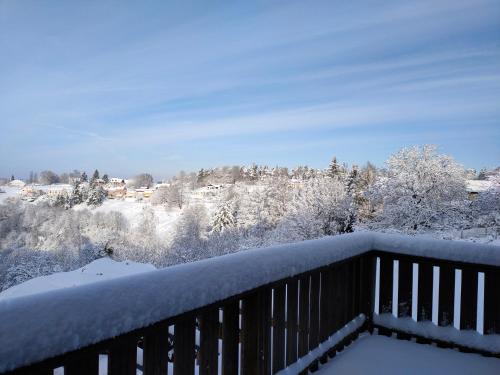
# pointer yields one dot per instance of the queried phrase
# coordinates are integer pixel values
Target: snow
(380, 355)
(98, 270)
(57, 321)
(10, 192)
(468, 338)
(478, 186)
(333, 340)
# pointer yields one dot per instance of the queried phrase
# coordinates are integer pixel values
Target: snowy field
(99, 270)
(380, 355)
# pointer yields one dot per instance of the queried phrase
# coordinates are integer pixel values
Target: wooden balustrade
(266, 329)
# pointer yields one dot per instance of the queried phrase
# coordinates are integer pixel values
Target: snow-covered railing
(279, 307)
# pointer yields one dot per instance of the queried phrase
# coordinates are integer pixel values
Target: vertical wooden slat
(337, 299)
(304, 316)
(291, 321)
(155, 355)
(492, 301)
(468, 299)
(386, 284)
(323, 302)
(314, 315)
(122, 356)
(405, 288)
(446, 294)
(331, 302)
(209, 341)
(85, 365)
(314, 311)
(355, 288)
(230, 338)
(249, 335)
(264, 330)
(424, 308)
(367, 277)
(279, 328)
(184, 345)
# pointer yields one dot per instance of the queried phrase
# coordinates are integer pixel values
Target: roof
(478, 186)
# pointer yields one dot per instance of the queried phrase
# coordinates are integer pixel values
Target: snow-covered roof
(17, 183)
(478, 186)
(67, 319)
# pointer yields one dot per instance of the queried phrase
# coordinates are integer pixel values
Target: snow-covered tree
(224, 219)
(96, 196)
(422, 189)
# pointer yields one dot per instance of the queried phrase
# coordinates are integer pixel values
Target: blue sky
(161, 86)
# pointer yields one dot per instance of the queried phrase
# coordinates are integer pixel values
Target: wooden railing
(292, 321)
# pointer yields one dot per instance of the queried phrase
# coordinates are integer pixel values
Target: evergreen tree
(482, 174)
(96, 196)
(84, 177)
(95, 177)
(334, 169)
(12, 178)
(105, 178)
(223, 220)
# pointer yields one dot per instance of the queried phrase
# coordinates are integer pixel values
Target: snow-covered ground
(9, 192)
(98, 270)
(382, 355)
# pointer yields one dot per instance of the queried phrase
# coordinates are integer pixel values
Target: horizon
(184, 86)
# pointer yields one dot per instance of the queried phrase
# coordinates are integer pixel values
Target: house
(17, 183)
(30, 193)
(474, 187)
(118, 192)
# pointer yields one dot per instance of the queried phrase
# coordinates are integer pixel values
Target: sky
(162, 86)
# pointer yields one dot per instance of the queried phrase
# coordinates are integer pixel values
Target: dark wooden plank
(264, 331)
(386, 284)
(155, 357)
(337, 298)
(249, 335)
(405, 288)
(314, 311)
(209, 341)
(122, 358)
(446, 294)
(304, 316)
(424, 308)
(230, 338)
(331, 302)
(367, 281)
(184, 345)
(291, 321)
(279, 328)
(492, 301)
(468, 299)
(86, 365)
(323, 302)
(355, 288)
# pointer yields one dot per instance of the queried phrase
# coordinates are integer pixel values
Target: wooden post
(405, 288)
(122, 358)
(492, 301)
(209, 342)
(314, 315)
(249, 335)
(425, 285)
(446, 294)
(155, 357)
(279, 328)
(304, 316)
(85, 365)
(468, 299)
(291, 321)
(184, 345)
(230, 338)
(264, 331)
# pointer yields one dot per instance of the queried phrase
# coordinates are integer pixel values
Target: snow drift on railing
(37, 327)
(468, 338)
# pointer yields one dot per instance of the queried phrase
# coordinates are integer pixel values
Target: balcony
(288, 309)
